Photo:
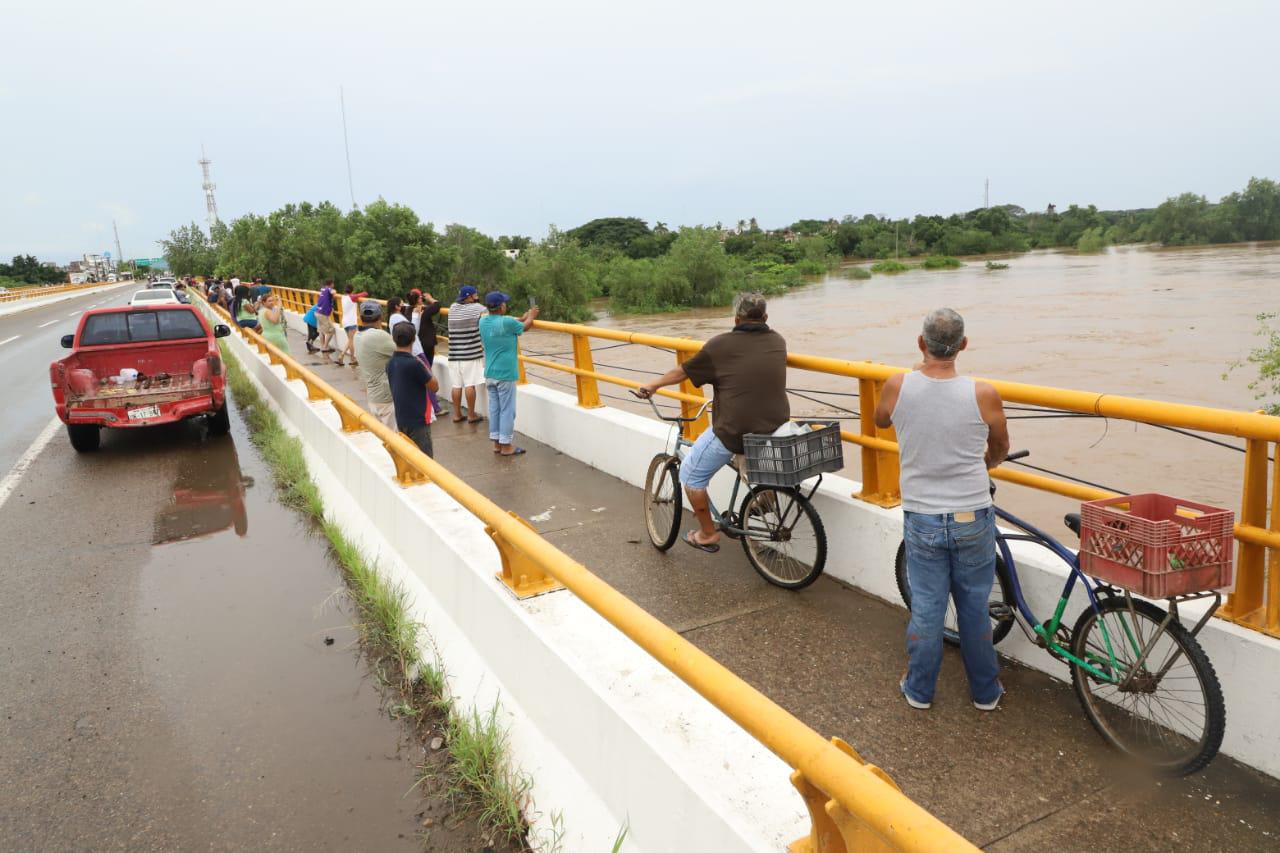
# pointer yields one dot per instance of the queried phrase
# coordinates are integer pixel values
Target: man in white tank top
(951, 430)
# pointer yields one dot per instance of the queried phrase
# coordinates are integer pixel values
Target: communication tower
(986, 193)
(210, 203)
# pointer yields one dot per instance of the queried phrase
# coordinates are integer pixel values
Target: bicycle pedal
(1001, 612)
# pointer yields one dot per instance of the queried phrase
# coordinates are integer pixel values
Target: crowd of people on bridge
(951, 430)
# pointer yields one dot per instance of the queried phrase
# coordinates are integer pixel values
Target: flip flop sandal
(709, 547)
(519, 451)
(457, 420)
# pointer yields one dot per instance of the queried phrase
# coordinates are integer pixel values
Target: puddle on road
(283, 735)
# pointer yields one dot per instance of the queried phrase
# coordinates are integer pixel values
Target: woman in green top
(271, 321)
(244, 309)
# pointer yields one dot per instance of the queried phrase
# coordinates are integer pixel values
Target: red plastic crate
(1157, 545)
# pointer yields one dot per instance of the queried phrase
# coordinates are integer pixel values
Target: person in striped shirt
(466, 352)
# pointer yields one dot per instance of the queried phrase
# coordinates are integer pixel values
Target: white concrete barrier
(862, 542)
(19, 305)
(607, 736)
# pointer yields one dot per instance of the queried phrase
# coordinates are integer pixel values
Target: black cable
(1069, 477)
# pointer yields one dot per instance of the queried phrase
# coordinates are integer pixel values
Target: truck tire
(85, 438)
(220, 421)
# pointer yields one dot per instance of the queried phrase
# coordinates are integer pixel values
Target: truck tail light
(215, 365)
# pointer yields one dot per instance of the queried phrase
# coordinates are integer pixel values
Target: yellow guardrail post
(1272, 622)
(588, 390)
(689, 408)
(521, 378)
(833, 828)
(879, 466)
(406, 474)
(521, 573)
(1244, 604)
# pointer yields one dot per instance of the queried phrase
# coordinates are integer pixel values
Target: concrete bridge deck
(1032, 774)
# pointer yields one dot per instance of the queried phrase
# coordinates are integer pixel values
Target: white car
(155, 296)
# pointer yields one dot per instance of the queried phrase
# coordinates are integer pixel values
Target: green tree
(188, 251)
(477, 258)
(617, 232)
(393, 251)
(699, 266)
(1092, 241)
(559, 274)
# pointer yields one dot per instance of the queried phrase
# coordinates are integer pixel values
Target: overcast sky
(510, 116)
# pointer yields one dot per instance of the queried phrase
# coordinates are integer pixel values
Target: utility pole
(986, 193)
(211, 205)
(119, 253)
(342, 102)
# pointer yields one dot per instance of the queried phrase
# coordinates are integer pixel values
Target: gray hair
(943, 332)
(749, 306)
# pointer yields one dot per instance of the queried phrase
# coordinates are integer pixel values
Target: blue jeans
(707, 456)
(952, 558)
(502, 409)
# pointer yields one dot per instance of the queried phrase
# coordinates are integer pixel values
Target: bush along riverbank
(466, 760)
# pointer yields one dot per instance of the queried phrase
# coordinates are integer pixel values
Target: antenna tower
(986, 193)
(210, 203)
(119, 252)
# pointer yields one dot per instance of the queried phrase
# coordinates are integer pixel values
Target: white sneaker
(919, 706)
(990, 706)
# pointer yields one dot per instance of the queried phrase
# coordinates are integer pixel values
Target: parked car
(134, 367)
(155, 296)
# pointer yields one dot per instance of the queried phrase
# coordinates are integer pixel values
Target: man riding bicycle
(747, 367)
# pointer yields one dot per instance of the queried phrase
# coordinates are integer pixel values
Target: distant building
(511, 253)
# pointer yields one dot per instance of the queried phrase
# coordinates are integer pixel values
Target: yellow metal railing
(38, 291)
(853, 805)
(1256, 600)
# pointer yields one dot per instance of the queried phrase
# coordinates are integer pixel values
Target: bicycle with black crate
(780, 531)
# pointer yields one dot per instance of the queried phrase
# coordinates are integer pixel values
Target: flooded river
(1160, 324)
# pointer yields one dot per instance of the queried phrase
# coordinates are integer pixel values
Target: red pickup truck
(140, 366)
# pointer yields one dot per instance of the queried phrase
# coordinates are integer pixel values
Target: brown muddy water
(1160, 324)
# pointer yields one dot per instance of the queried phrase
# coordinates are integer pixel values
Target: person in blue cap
(466, 353)
(500, 336)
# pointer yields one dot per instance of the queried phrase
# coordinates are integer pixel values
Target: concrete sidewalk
(1032, 774)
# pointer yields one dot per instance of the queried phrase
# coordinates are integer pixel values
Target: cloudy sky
(510, 116)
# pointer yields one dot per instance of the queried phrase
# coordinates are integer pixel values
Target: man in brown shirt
(747, 367)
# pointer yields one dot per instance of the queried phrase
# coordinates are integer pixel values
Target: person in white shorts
(466, 352)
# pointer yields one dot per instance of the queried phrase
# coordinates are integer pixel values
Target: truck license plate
(144, 412)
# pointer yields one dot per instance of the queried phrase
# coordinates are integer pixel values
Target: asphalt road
(165, 680)
(29, 341)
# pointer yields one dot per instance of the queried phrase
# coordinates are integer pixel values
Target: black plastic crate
(790, 460)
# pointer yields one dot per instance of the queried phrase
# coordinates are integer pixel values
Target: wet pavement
(167, 679)
(1032, 775)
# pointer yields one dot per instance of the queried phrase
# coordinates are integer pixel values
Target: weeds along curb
(480, 775)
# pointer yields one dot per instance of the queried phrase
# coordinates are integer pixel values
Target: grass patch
(858, 273)
(480, 775)
(890, 267)
(941, 262)
(995, 265)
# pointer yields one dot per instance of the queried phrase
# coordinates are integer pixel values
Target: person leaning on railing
(951, 430)
(747, 367)
(374, 348)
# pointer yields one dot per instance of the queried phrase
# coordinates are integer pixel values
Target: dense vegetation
(385, 249)
(26, 269)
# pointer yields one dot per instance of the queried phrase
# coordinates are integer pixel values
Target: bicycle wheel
(784, 537)
(662, 502)
(1171, 716)
(1001, 597)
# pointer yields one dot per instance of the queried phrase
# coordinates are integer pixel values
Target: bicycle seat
(1072, 520)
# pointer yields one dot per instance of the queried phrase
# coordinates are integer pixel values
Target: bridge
(675, 693)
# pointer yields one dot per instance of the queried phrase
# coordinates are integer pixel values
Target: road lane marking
(6, 340)
(10, 481)
(75, 313)
(50, 323)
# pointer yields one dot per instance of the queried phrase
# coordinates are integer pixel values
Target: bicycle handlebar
(676, 420)
(1016, 455)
